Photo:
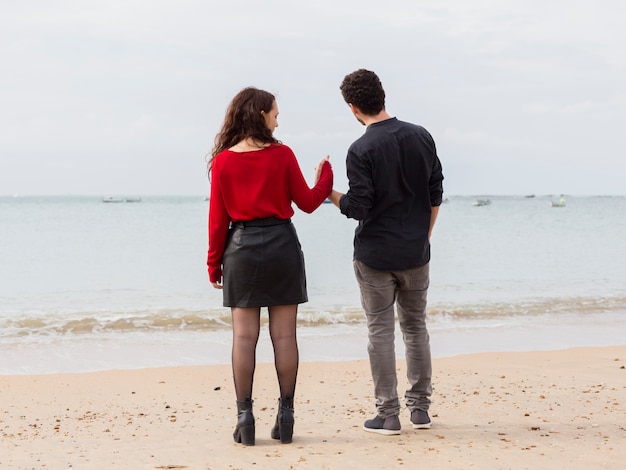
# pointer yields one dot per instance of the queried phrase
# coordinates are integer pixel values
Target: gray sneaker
(420, 419)
(388, 426)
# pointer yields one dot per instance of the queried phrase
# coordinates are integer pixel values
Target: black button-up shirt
(395, 179)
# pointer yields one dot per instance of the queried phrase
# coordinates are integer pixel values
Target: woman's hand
(217, 285)
(318, 168)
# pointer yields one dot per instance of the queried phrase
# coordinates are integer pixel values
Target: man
(395, 189)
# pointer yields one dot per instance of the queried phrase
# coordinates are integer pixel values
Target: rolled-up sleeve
(436, 183)
(357, 202)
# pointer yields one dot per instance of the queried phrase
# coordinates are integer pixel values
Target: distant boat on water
(119, 199)
(111, 199)
(559, 203)
(481, 202)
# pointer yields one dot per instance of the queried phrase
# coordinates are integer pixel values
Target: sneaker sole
(385, 432)
(421, 426)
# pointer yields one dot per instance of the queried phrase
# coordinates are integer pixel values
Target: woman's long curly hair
(244, 120)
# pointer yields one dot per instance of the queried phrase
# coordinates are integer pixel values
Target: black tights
(246, 327)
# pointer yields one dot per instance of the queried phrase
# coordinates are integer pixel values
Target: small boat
(111, 199)
(133, 199)
(559, 203)
(481, 202)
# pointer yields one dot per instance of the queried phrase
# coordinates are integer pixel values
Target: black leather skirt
(263, 265)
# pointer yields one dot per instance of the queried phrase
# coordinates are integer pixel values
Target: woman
(254, 253)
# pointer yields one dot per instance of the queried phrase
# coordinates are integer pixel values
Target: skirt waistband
(268, 222)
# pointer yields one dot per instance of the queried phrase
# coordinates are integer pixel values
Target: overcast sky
(125, 97)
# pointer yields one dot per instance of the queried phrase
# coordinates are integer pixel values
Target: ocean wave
(65, 323)
(529, 307)
(97, 322)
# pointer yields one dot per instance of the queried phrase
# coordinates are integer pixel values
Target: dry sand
(535, 410)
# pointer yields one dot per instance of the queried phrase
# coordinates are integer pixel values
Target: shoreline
(330, 343)
(538, 409)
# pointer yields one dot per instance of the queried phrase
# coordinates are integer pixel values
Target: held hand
(318, 168)
(217, 285)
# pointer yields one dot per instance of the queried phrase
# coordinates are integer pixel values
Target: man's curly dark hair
(364, 90)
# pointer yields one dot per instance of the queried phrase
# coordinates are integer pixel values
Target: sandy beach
(557, 409)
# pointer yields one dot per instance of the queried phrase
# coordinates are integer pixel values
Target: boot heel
(245, 435)
(283, 428)
(286, 432)
(244, 432)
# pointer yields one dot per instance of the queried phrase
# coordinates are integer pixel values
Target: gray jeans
(380, 290)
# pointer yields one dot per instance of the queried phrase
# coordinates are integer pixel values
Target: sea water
(87, 285)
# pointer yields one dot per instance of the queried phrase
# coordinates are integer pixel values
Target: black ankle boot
(283, 429)
(244, 432)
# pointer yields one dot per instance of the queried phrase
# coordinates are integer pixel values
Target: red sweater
(256, 185)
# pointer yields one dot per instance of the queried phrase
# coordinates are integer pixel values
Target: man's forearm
(335, 197)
